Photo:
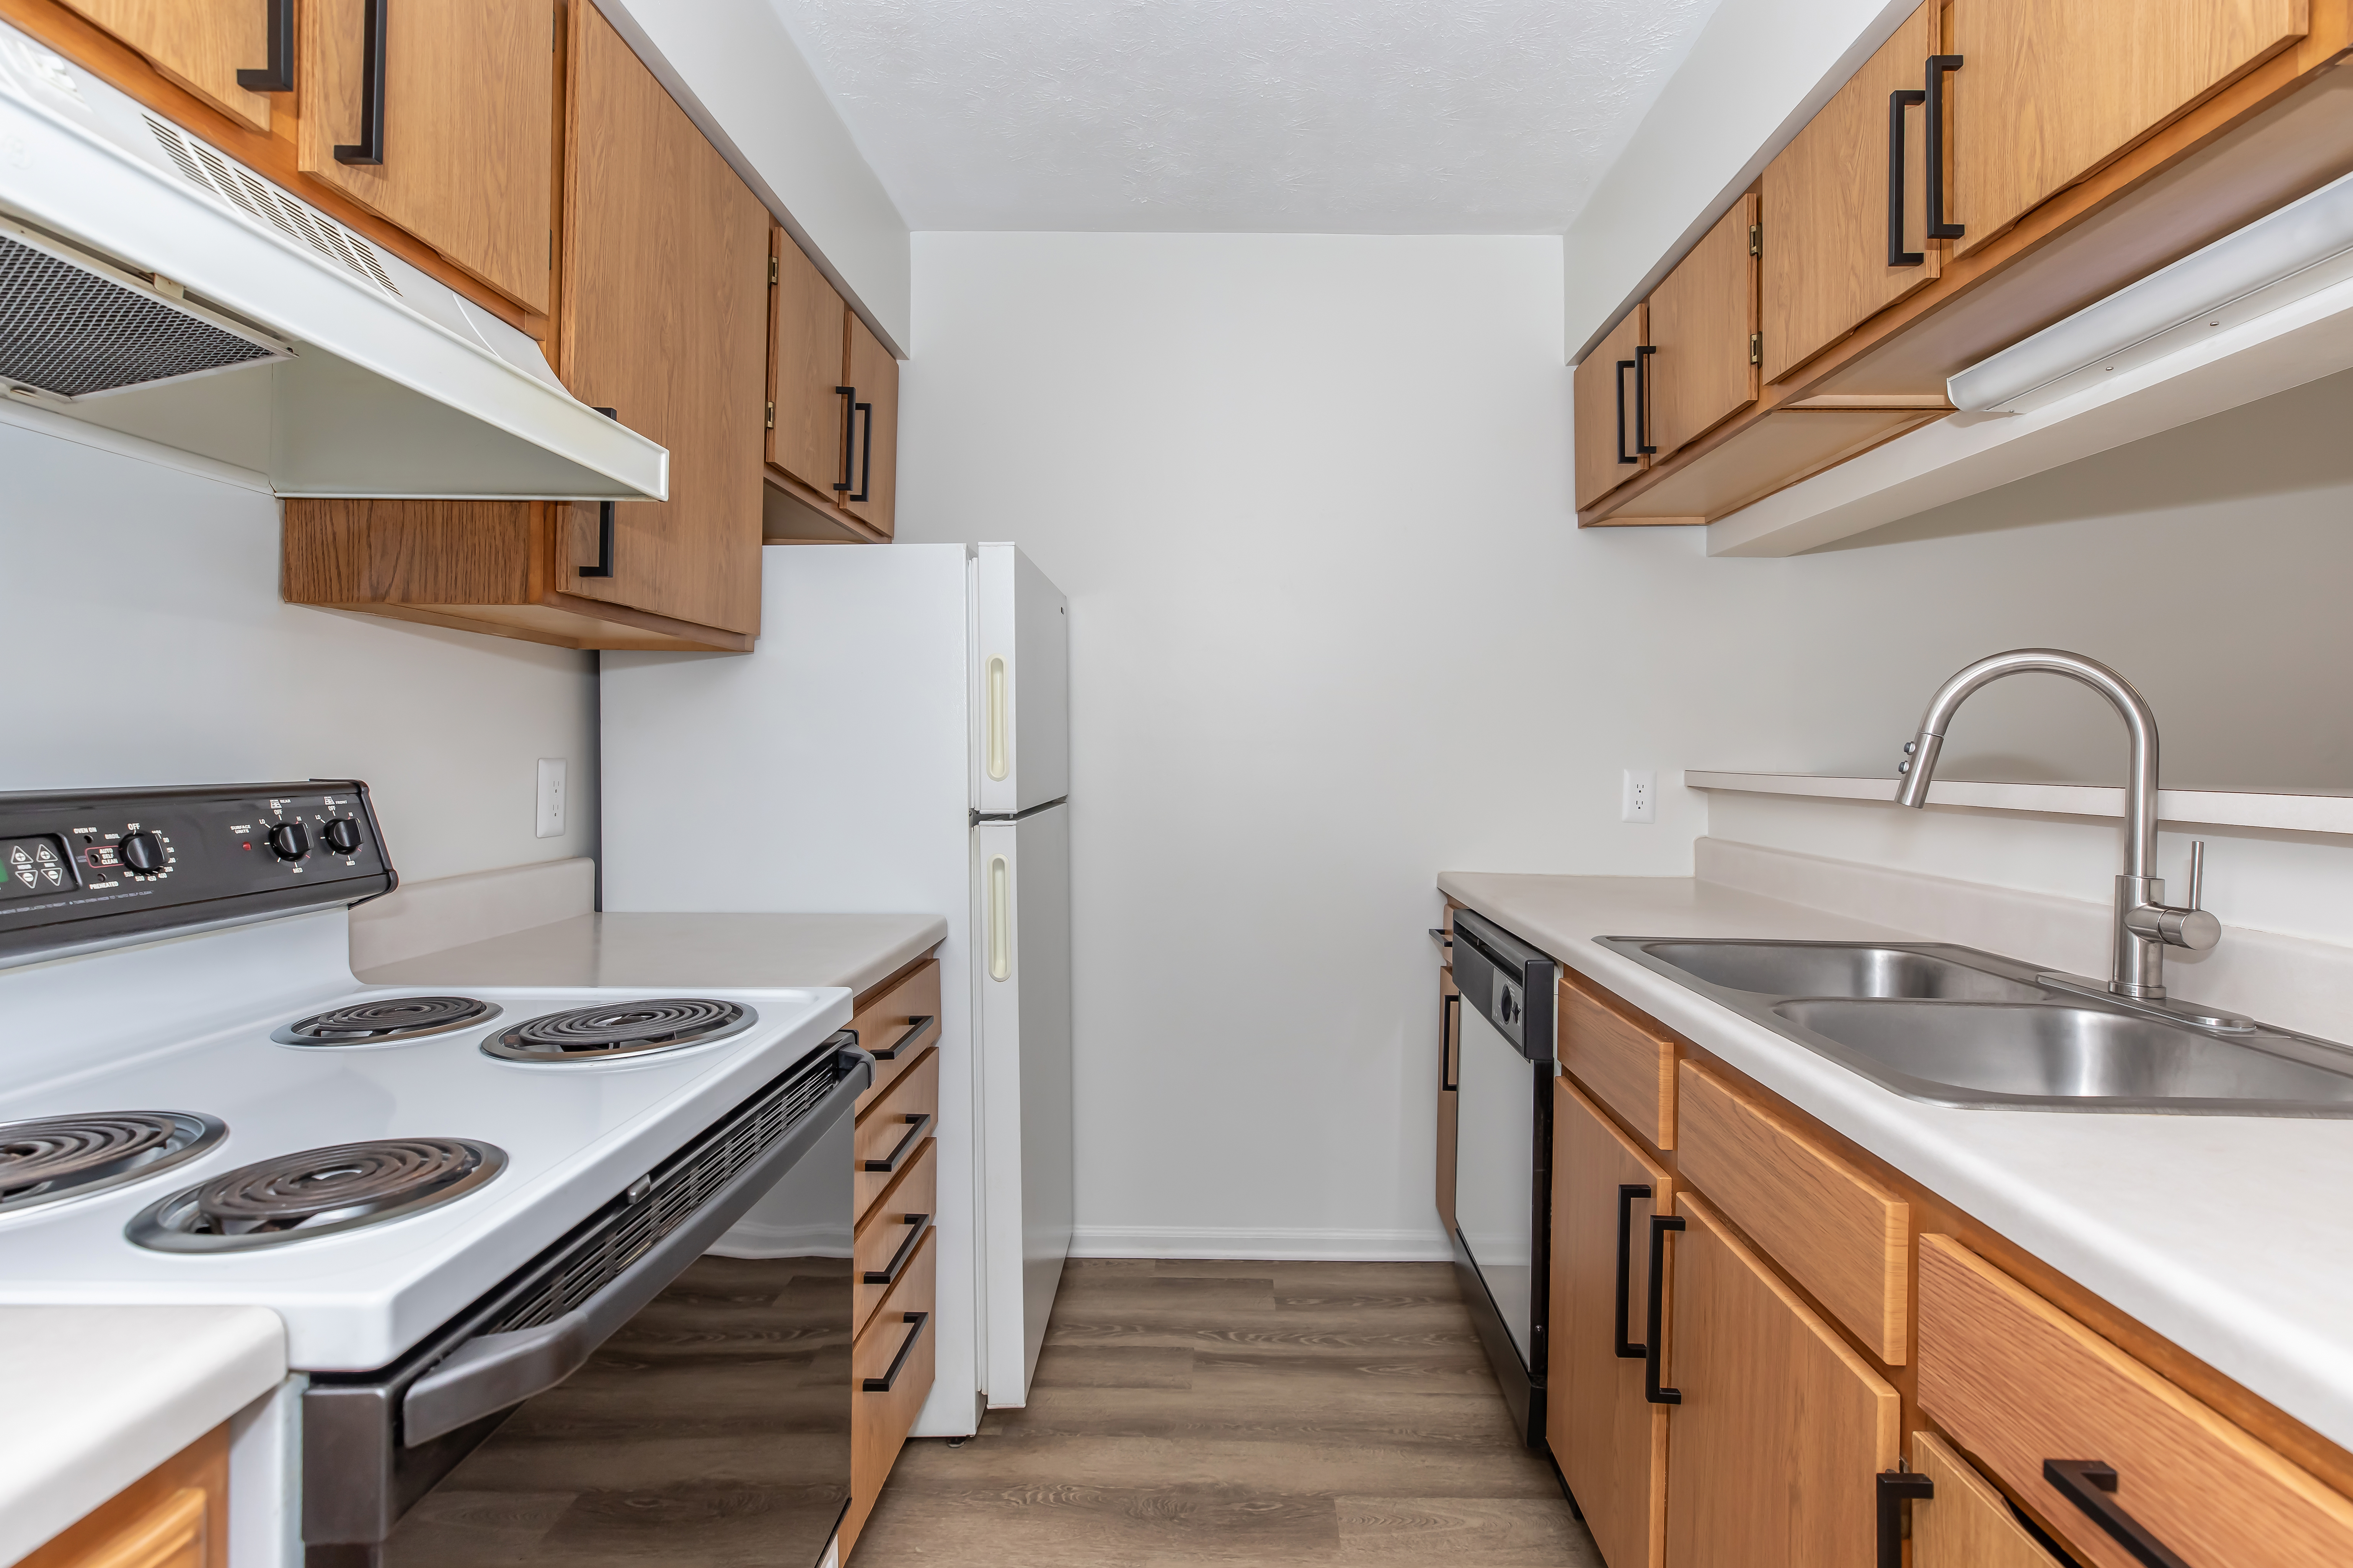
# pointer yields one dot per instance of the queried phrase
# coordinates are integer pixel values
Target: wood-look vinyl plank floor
(1245, 1414)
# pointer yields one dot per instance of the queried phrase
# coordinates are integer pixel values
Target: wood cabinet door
(807, 349)
(2050, 91)
(1966, 1523)
(1609, 424)
(1702, 328)
(1826, 203)
(874, 374)
(200, 44)
(465, 161)
(1450, 1098)
(1782, 1430)
(664, 320)
(1609, 1439)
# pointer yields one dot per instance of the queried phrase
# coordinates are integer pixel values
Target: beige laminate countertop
(672, 950)
(2232, 1237)
(92, 1398)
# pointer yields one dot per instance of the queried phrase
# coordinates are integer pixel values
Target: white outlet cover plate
(1638, 798)
(555, 792)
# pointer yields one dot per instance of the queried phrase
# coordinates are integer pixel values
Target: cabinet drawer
(174, 1516)
(1836, 1232)
(2022, 1385)
(888, 1237)
(897, 1026)
(1628, 1067)
(892, 1365)
(892, 1130)
(1966, 1523)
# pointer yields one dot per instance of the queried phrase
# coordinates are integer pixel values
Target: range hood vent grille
(208, 171)
(70, 332)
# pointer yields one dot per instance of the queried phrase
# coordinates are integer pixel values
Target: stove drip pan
(628, 1030)
(59, 1157)
(318, 1192)
(386, 1020)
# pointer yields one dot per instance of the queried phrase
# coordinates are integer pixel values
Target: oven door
(683, 1398)
(1495, 1162)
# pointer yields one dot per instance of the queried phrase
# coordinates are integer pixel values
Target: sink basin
(1953, 1025)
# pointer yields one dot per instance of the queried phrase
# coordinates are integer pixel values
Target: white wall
(145, 644)
(1333, 630)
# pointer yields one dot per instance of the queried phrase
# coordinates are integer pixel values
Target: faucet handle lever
(2196, 874)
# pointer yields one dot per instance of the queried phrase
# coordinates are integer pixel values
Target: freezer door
(1023, 1008)
(1022, 704)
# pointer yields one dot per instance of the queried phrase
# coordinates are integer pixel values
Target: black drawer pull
(1642, 401)
(1651, 1389)
(917, 1126)
(1627, 1193)
(278, 75)
(603, 567)
(370, 147)
(1896, 1488)
(917, 1224)
(849, 434)
(1449, 1070)
(918, 1031)
(866, 456)
(1623, 366)
(1897, 102)
(1938, 65)
(2090, 1485)
(899, 1363)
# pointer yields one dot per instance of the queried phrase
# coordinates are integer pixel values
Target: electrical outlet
(554, 791)
(1637, 799)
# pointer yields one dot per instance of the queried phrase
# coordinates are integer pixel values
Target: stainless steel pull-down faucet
(2146, 925)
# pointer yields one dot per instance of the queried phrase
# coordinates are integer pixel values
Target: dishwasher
(1503, 1068)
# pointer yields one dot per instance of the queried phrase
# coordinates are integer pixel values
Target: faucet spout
(2142, 934)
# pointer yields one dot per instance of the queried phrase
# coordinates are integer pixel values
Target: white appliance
(451, 1202)
(899, 741)
(152, 284)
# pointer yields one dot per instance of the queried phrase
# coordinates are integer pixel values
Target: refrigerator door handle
(1000, 919)
(1000, 762)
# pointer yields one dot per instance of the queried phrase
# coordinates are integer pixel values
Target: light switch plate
(1637, 799)
(554, 791)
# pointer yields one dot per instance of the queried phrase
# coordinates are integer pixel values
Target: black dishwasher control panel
(1510, 983)
(79, 866)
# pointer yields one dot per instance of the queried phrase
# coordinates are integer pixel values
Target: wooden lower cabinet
(1964, 1522)
(1609, 1439)
(174, 1516)
(1450, 1097)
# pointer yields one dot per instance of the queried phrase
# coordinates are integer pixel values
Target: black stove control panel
(82, 866)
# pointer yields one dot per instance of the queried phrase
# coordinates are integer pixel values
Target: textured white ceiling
(1323, 116)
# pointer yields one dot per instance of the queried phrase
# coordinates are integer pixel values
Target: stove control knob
(289, 841)
(343, 835)
(142, 852)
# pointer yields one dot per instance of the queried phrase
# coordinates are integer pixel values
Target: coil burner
(386, 1020)
(318, 1192)
(630, 1030)
(61, 1157)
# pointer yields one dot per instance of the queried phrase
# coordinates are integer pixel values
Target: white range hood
(153, 285)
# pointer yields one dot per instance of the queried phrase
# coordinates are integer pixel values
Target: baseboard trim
(1262, 1246)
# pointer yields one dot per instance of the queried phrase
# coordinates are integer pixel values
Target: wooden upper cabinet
(1610, 423)
(873, 379)
(1827, 205)
(202, 44)
(459, 147)
(808, 435)
(1703, 329)
(2052, 89)
(1782, 1430)
(665, 294)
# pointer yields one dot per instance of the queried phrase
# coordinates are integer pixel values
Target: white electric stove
(452, 1200)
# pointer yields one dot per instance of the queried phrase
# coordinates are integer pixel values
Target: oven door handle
(491, 1372)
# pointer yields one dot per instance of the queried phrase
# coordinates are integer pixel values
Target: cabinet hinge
(1755, 348)
(772, 416)
(1756, 239)
(772, 272)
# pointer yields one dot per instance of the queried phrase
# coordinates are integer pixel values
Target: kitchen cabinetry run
(1449, 1063)
(221, 50)
(833, 410)
(174, 1516)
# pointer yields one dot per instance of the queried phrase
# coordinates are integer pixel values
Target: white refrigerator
(898, 742)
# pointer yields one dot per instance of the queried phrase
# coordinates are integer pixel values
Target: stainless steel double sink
(1953, 1026)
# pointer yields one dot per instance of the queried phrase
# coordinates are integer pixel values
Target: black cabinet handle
(849, 434)
(1651, 1390)
(1450, 1074)
(917, 1224)
(1898, 102)
(2090, 1484)
(1642, 401)
(1896, 1488)
(865, 459)
(881, 1385)
(603, 567)
(1623, 366)
(1627, 1193)
(278, 75)
(371, 143)
(1938, 65)
(919, 1031)
(916, 1127)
